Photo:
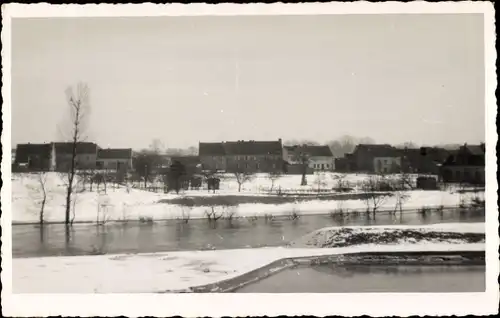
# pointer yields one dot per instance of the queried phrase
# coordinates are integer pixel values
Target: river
(372, 279)
(135, 237)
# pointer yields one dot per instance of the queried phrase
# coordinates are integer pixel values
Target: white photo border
(191, 305)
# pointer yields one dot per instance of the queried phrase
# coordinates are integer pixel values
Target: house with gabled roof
(117, 159)
(35, 157)
(212, 156)
(251, 156)
(466, 165)
(424, 160)
(86, 155)
(319, 158)
(382, 158)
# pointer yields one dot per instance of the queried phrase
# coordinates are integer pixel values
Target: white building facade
(322, 163)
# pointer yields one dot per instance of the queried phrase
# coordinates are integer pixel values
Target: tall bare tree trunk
(41, 210)
(78, 106)
(303, 182)
(71, 174)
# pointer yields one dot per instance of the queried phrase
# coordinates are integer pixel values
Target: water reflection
(173, 235)
(353, 270)
(364, 279)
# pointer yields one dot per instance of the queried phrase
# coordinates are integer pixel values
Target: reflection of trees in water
(102, 240)
(353, 270)
(393, 270)
(231, 224)
(69, 240)
(182, 231)
(42, 230)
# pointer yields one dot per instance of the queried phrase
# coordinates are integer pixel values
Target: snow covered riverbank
(123, 204)
(453, 233)
(129, 273)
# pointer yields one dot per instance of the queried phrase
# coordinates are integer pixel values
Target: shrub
(146, 219)
(337, 213)
(268, 217)
(252, 218)
(424, 210)
(294, 214)
(440, 209)
(212, 215)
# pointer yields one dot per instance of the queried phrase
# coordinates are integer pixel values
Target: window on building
(257, 166)
(274, 166)
(246, 165)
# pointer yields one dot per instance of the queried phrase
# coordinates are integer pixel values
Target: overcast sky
(393, 78)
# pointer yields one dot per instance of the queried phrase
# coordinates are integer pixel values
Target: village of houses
(249, 178)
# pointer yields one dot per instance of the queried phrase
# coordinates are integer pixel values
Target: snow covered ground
(456, 233)
(133, 204)
(158, 272)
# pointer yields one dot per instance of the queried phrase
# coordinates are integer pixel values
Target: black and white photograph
(299, 152)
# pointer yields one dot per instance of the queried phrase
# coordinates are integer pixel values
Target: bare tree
(320, 181)
(401, 198)
(39, 194)
(274, 176)
(212, 215)
(301, 156)
(146, 163)
(373, 199)
(79, 108)
(346, 144)
(42, 181)
(341, 185)
(211, 177)
(242, 177)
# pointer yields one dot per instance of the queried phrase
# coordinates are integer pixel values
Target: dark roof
(477, 150)
(378, 150)
(241, 148)
(81, 148)
(25, 151)
(115, 153)
(433, 153)
(313, 151)
(468, 155)
(211, 149)
(253, 148)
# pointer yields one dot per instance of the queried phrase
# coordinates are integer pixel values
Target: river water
(372, 279)
(135, 237)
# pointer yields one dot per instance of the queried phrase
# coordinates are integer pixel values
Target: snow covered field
(133, 204)
(158, 272)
